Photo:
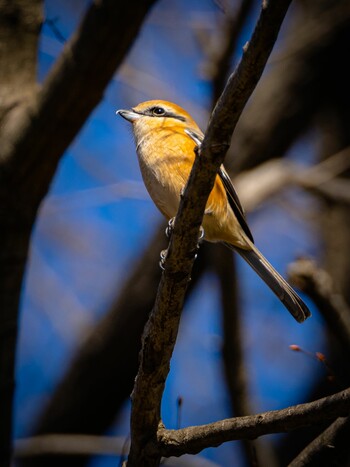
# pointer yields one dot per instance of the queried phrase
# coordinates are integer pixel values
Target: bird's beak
(129, 115)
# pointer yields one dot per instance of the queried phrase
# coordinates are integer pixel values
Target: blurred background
(93, 268)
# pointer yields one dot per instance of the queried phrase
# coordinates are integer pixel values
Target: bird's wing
(235, 202)
(229, 188)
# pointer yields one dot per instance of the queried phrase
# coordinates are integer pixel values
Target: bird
(166, 138)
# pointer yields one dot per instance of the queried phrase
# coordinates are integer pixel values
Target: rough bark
(194, 439)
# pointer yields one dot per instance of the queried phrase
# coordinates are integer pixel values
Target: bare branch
(161, 329)
(194, 439)
(257, 185)
(322, 449)
(20, 24)
(294, 89)
(318, 285)
(322, 179)
(269, 178)
(336, 191)
(220, 55)
(73, 88)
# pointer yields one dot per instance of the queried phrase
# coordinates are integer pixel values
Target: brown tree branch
(161, 329)
(72, 89)
(172, 442)
(20, 24)
(317, 284)
(270, 178)
(322, 179)
(220, 55)
(336, 191)
(323, 451)
(194, 439)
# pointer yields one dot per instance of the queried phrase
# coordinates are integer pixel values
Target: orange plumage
(166, 137)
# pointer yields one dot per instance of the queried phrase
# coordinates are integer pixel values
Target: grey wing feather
(235, 202)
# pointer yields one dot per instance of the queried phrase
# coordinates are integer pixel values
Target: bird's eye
(158, 111)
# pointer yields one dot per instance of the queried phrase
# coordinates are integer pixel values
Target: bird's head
(156, 115)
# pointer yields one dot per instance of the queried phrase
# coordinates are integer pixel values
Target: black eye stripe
(173, 115)
(150, 113)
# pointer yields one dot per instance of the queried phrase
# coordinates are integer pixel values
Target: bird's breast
(165, 165)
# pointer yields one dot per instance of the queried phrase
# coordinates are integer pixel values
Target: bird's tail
(275, 281)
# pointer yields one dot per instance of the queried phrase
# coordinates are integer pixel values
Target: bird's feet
(170, 227)
(200, 236)
(163, 255)
(168, 232)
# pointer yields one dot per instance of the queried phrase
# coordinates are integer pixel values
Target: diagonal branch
(72, 89)
(220, 57)
(318, 285)
(323, 449)
(294, 89)
(161, 329)
(194, 439)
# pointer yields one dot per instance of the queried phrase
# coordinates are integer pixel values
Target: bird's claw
(163, 255)
(201, 235)
(170, 227)
(168, 232)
